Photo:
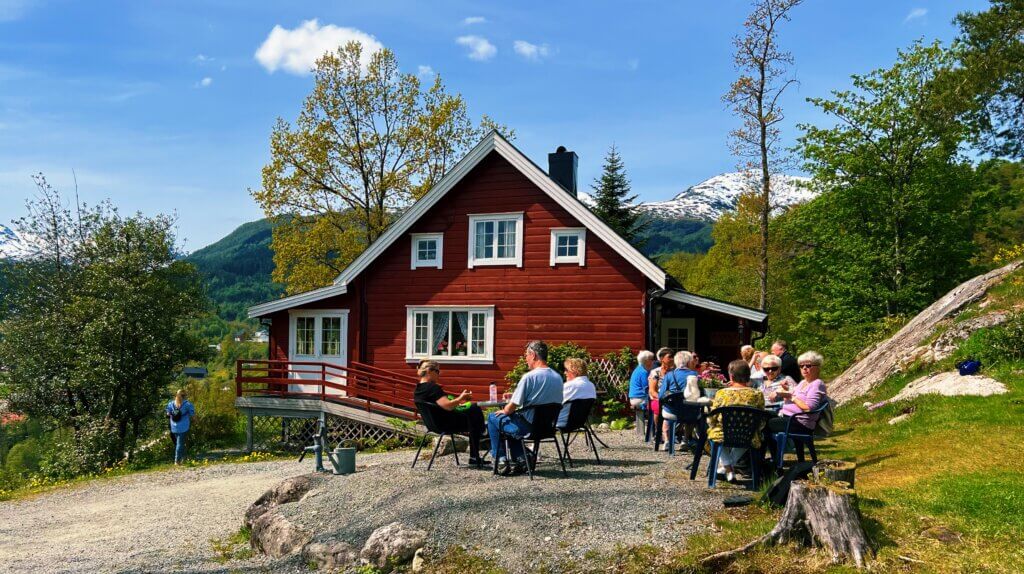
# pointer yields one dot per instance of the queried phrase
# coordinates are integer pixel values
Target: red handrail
(364, 386)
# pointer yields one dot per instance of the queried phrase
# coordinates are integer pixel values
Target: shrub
(91, 449)
(217, 421)
(994, 345)
(23, 458)
(557, 354)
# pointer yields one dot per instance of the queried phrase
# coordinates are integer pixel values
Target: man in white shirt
(577, 386)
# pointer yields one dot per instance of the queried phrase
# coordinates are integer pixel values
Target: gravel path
(157, 521)
(635, 496)
(165, 521)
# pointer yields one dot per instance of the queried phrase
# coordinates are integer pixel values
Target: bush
(557, 354)
(217, 421)
(88, 451)
(994, 345)
(23, 458)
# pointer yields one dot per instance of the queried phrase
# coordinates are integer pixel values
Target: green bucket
(343, 459)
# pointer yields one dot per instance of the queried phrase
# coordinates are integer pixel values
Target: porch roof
(739, 311)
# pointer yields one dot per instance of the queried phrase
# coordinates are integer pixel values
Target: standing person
(577, 386)
(539, 386)
(790, 368)
(638, 387)
(471, 420)
(738, 393)
(180, 412)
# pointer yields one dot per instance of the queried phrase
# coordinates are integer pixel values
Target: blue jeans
(514, 426)
(179, 445)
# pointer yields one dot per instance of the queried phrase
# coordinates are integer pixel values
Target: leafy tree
(997, 208)
(613, 198)
(890, 233)
(97, 323)
(988, 85)
(754, 97)
(367, 142)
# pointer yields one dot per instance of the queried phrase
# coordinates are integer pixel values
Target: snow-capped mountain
(12, 244)
(709, 199)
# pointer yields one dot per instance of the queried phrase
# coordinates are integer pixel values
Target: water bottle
(494, 393)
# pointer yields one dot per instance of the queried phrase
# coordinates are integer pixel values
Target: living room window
(450, 334)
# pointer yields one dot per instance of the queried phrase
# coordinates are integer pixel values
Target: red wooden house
(498, 253)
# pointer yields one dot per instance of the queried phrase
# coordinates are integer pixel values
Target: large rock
(392, 544)
(887, 357)
(289, 490)
(951, 384)
(276, 536)
(330, 554)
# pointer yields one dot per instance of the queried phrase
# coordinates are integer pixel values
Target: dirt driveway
(149, 522)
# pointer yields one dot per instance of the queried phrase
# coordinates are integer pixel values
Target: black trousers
(471, 420)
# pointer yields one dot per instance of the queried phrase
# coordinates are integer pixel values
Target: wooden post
(248, 431)
(238, 378)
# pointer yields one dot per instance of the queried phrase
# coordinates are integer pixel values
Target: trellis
(289, 434)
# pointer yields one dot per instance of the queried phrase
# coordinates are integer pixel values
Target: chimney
(562, 168)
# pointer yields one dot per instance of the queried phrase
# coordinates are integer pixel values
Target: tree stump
(816, 514)
(827, 471)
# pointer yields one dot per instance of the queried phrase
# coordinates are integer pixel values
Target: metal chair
(542, 429)
(740, 425)
(576, 423)
(799, 438)
(443, 424)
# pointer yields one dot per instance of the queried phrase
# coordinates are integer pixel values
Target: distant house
(262, 336)
(496, 254)
(195, 372)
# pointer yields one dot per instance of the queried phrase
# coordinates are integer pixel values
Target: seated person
(470, 420)
(541, 385)
(800, 399)
(738, 393)
(675, 382)
(774, 380)
(577, 386)
(638, 380)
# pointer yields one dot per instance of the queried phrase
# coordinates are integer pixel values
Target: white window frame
(516, 259)
(414, 259)
(410, 337)
(318, 316)
(581, 253)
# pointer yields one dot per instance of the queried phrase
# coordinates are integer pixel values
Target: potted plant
(460, 348)
(711, 379)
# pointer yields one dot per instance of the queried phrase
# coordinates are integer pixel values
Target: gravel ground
(156, 521)
(635, 496)
(165, 521)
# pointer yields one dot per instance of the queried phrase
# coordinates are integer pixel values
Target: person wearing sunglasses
(800, 400)
(470, 419)
(774, 380)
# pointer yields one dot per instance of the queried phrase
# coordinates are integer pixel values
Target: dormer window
(427, 250)
(568, 245)
(496, 239)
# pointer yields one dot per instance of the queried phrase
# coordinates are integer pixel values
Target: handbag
(968, 366)
(826, 422)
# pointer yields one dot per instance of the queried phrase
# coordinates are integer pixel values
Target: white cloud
(202, 59)
(915, 14)
(479, 48)
(633, 64)
(470, 20)
(530, 51)
(425, 71)
(205, 82)
(296, 51)
(11, 10)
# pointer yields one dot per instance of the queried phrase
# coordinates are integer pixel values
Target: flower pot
(710, 393)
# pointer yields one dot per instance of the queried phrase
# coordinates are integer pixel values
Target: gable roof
(491, 142)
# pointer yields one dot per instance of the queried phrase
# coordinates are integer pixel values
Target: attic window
(568, 245)
(427, 250)
(496, 239)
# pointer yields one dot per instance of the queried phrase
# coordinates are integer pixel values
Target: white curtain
(440, 332)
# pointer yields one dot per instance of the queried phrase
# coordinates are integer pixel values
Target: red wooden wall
(600, 305)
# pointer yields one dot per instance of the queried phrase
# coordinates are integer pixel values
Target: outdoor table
(774, 406)
(489, 404)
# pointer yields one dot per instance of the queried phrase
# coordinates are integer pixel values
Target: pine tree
(613, 201)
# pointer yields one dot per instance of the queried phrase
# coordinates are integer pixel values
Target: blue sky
(164, 107)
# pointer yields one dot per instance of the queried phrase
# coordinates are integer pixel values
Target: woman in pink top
(799, 401)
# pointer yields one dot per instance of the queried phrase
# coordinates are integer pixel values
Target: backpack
(176, 413)
(826, 422)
